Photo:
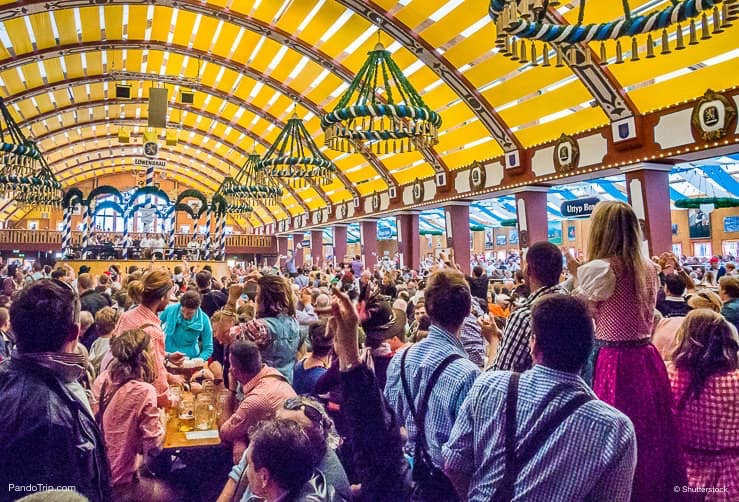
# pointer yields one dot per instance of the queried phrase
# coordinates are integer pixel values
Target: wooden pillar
(409, 244)
(368, 238)
(316, 247)
(457, 215)
(340, 242)
(298, 249)
(531, 215)
(648, 185)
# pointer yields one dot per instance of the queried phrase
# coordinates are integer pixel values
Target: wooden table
(176, 440)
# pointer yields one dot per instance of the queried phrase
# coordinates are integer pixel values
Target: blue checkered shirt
(591, 455)
(448, 394)
(513, 352)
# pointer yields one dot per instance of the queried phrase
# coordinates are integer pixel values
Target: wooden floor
(97, 267)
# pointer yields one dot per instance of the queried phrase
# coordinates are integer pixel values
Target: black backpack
(431, 484)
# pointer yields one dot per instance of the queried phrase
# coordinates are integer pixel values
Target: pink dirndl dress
(630, 375)
(709, 430)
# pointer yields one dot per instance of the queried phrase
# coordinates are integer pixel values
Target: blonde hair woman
(627, 370)
(128, 416)
(705, 385)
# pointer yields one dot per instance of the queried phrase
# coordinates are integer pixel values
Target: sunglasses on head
(313, 413)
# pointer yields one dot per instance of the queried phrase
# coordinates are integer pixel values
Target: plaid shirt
(709, 430)
(591, 455)
(513, 352)
(471, 337)
(449, 392)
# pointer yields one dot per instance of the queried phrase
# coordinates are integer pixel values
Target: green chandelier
(524, 33)
(250, 185)
(238, 207)
(24, 174)
(381, 109)
(295, 158)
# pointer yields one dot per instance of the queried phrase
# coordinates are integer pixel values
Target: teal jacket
(193, 337)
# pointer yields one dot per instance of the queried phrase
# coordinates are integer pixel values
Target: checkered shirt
(590, 456)
(513, 352)
(448, 394)
(709, 431)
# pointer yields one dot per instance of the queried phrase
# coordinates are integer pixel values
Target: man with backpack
(543, 435)
(428, 382)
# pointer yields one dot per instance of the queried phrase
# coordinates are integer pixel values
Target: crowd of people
(110, 245)
(540, 377)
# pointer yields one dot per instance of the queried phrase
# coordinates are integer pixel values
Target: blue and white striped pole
(66, 231)
(222, 238)
(172, 225)
(217, 238)
(126, 217)
(208, 215)
(149, 175)
(86, 230)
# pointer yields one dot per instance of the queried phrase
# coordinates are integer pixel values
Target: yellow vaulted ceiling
(254, 63)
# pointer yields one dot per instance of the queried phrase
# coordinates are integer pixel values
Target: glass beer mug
(185, 414)
(204, 412)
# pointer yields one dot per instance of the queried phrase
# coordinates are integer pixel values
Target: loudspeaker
(187, 97)
(122, 91)
(158, 107)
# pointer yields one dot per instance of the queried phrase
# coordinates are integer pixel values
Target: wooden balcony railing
(52, 239)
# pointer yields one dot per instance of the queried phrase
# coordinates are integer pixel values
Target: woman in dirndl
(628, 373)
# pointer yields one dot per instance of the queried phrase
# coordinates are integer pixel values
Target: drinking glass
(185, 414)
(175, 396)
(204, 412)
(222, 399)
(209, 389)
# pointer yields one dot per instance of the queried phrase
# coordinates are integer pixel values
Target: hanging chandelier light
(238, 208)
(250, 185)
(295, 158)
(526, 35)
(24, 174)
(381, 108)
(42, 190)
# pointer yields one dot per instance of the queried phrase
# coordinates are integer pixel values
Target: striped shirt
(513, 352)
(448, 394)
(590, 456)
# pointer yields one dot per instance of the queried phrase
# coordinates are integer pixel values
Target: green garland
(717, 202)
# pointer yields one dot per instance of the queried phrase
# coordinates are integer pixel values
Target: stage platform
(97, 267)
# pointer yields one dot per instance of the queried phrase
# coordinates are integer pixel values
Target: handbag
(516, 460)
(430, 483)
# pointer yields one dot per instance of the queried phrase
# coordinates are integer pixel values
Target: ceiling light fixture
(381, 108)
(295, 158)
(24, 174)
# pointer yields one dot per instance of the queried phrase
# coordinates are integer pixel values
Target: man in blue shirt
(187, 328)
(292, 270)
(447, 300)
(590, 454)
